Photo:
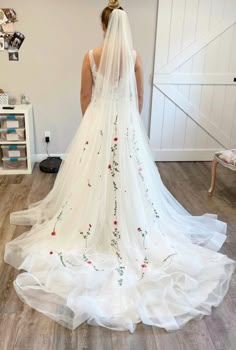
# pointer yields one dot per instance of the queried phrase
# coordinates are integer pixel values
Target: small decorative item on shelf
(12, 100)
(3, 98)
(24, 100)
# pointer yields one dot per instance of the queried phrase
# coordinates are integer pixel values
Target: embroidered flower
(139, 229)
(116, 139)
(53, 233)
(115, 222)
(86, 142)
(51, 253)
(140, 169)
(89, 262)
(109, 166)
(143, 266)
(90, 225)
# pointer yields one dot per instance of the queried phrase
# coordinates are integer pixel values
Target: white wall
(58, 33)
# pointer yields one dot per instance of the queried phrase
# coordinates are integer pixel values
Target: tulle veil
(115, 87)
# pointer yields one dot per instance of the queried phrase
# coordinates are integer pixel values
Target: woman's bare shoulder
(97, 51)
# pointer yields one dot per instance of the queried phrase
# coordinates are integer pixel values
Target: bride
(109, 244)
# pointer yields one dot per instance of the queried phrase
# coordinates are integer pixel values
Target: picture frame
(13, 55)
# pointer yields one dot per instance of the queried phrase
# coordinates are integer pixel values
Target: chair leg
(213, 177)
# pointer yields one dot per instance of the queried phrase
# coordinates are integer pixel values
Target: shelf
(14, 172)
(27, 112)
(13, 142)
(18, 109)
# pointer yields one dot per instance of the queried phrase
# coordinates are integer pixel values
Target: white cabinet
(17, 144)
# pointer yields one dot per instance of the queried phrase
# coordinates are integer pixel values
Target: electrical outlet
(47, 136)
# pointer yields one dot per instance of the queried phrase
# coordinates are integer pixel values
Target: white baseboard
(183, 155)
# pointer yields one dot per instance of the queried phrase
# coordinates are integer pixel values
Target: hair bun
(113, 4)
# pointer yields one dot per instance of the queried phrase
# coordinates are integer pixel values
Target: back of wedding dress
(109, 244)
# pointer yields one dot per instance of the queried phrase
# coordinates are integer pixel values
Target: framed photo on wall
(13, 55)
(16, 41)
(2, 43)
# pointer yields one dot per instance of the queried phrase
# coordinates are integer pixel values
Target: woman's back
(95, 58)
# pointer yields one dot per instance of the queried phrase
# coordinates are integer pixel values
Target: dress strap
(91, 59)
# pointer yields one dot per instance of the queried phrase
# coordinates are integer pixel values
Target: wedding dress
(109, 244)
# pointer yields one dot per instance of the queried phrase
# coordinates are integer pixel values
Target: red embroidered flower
(53, 233)
(140, 169)
(109, 166)
(90, 225)
(89, 262)
(116, 139)
(86, 143)
(115, 222)
(143, 266)
(51, 253)
(139, 229)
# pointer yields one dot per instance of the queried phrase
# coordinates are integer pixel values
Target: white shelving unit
(27, 111)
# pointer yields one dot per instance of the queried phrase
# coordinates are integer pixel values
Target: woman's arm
(139, 81)
(86, 84)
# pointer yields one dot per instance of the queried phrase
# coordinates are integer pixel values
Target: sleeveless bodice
(93, 66)
(115, 91)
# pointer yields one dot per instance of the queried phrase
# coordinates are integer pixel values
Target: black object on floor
(50, 165)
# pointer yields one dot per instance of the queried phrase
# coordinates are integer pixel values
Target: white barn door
(194, 86)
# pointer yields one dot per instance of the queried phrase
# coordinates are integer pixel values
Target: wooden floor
(22, 328)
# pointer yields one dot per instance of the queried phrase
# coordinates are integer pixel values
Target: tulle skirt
(109, 244)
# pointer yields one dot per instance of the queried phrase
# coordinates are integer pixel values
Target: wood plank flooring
(22, 328)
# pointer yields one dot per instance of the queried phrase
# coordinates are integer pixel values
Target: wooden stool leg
(213, 177)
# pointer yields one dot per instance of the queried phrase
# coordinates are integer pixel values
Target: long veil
(109, 244)
(115, 82)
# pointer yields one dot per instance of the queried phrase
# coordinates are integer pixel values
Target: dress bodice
(93, 66)
(116, 90)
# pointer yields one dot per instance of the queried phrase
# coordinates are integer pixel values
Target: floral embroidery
(114, 169)
(101, 133)
(144, 234)
(140, 173)
(144, 265)
(85, 235)
(53, 233)
(85, 145)
(86, 259)
(169, 256)
(114, 241)
(127, 140)
(120, 269)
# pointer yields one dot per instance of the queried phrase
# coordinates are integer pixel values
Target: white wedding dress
(109, 244)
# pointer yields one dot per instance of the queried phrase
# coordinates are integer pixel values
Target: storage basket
(12, 121)
(14, 163)
(12, 134)
(14, 151)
